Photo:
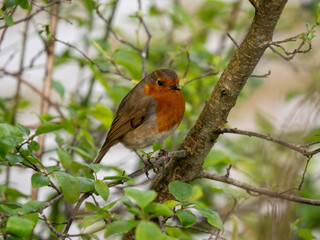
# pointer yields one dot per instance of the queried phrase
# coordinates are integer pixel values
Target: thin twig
(232, 39)
(116, 36)
(261, 76)
(298, 148)
(304, 173)
(118, 73)
(258, 190)
(74, 213)
(145, 52)
(188, 64)
(207, 74)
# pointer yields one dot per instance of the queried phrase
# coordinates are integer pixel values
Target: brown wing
(134, 110)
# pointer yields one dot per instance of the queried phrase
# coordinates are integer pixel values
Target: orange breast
(170, 106)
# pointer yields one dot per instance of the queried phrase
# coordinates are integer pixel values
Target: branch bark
(213, 117)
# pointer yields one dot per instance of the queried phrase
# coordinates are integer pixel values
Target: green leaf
(85, 184)
(10, 3)
(305, 233)
(156, 146)
(8, 19)
(21, 227)
(67, 124)
(69, 185)
(81, 152)
(186, 217)
(91, 219)
(148, 230)
(13, 159)
(52, 169)
(90, 207)
(34, 146)
(23, 4)
(39, 180)
(171, 203)
(103, 114)
(65, 158)
(180, 190)
(31, 206)
(25, 130)
(102, 189)
(10, 137)
(120, 227)
(142, 198)
(47, 127)
(157, 209)
(58, 87)
(212, 217)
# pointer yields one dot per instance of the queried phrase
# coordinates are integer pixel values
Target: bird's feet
(153, 165)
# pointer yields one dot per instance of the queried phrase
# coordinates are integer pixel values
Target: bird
(149, 113)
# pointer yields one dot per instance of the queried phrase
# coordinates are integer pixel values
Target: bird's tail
(105, 148)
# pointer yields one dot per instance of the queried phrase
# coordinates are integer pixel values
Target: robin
(149, 113)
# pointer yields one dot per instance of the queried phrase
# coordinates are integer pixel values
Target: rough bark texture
(202, 136)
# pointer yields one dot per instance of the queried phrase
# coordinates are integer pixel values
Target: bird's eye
(160, 83)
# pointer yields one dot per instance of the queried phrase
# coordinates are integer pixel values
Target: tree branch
(298, 148)
(259, 190)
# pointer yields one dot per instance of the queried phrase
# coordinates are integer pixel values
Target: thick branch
(202, 136)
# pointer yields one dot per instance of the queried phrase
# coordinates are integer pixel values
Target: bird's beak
(175, 87)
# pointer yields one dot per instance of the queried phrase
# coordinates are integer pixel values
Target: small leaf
(103, 114)
(186, 217)
(25, 130)
(10, 137)
(156, 146)
(85, 184)
(19, 226)
(148, 230)
(142, 198)
(23, 4)
(91, 219)
(31, 206)
(212, 217)
(52, 169)
(58, 87)
(120, 227)
(69, 185)
(180, 190)
(46, 128)
(171, 203)
(8, 19)
(34, 146)
(65, 158)
(39, 180)
(13, 159)
(102, 189)
(157, 209)
(305, 234)
(81, 152)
